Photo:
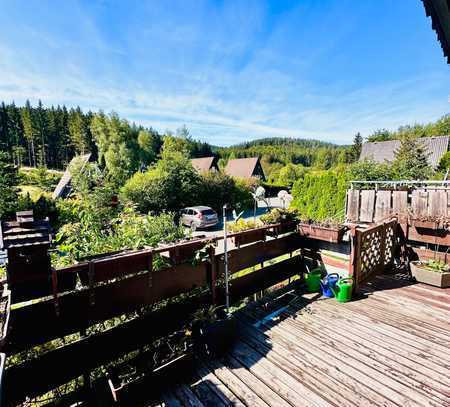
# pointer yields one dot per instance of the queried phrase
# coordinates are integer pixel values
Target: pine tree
(29, 131)
(356, 147)
(78, 131)
(42, 131)
(411, 160)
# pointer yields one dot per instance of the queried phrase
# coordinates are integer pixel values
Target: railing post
(353, 264)
(213, 273)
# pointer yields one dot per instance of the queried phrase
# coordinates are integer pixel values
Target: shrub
(320, 197)
(41, 177)
(128, 230)
(169, 186)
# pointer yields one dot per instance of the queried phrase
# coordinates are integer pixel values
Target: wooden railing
(122, 284)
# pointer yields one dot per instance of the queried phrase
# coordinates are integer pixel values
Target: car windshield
(208, 212)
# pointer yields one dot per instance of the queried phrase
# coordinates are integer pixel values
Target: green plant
(127, 230)
(242, 224)
(279, 215)
(438, 266)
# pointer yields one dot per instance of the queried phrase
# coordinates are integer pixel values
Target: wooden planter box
(328, 234)
(426, 224)
(423, 275)
(249, 236)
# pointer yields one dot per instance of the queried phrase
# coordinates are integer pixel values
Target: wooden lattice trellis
(374, 250)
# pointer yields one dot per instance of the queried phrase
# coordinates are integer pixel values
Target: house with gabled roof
(245, 168)
(384, 151)
(205, 164)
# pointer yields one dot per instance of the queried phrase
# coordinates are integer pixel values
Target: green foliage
(438, 266)
(290, 173)
(355, 150)
(217, 189)
(168, 186)
(173, 184)
(411, 160)
(320, 197)
(279, 215)
(8, 190)
(117, 146)
(41, 177)
(127, 230)
(444, 163)
(242, 224)
(369, 170)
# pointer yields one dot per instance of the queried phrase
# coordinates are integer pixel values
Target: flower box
(248, 236)
(423, 274)
(326, 233)
(426, 224)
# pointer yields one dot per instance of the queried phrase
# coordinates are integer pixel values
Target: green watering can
(343, 289)
(313, 280)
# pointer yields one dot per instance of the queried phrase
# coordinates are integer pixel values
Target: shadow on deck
(390, 348)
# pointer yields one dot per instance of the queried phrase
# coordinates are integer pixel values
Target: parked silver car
(199, 217)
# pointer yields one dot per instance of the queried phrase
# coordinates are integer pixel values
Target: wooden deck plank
(395, 389)
(218, 387)
(389, 349)
(358, 371)
(327, 327)
(236, 385)
(282, 383)
(382, 344)
(439, 353)
(319, 374)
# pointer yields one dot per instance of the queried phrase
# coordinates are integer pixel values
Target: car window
(208, 212)
(191, 212)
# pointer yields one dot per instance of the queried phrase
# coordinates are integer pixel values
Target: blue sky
(231, 71)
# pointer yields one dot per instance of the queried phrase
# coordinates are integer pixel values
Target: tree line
(39, 136)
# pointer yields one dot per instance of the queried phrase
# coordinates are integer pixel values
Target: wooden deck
(388, 348)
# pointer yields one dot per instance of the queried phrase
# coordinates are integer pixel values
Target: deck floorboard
(388, 348)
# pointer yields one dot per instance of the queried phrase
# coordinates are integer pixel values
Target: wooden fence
(370, 205)
(126, 283)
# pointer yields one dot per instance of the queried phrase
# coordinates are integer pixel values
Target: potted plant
(285, 220)
(328, 231)
(433, 272)
(213, 331)
(247, 231)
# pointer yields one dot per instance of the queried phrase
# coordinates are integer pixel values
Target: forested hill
(275, 141)
(282, 151)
